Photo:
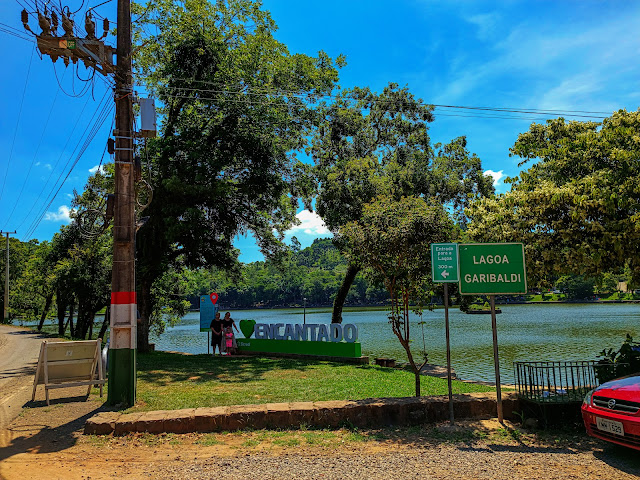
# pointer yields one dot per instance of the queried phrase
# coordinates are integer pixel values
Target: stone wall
(375, 412)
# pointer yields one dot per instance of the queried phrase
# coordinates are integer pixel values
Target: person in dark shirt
(216, 333)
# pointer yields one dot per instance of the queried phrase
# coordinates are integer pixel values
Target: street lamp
(304, 317)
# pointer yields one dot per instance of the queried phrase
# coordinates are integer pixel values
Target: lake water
(554, 332)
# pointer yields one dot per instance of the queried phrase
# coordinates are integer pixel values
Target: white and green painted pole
(123, 321)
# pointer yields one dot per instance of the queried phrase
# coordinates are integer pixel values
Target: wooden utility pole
(123, 321)
(92, 51)
(5, 312)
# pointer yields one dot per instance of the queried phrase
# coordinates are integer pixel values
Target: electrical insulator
(67, 25)
(105, 28)
(90, 26)
(54, 23)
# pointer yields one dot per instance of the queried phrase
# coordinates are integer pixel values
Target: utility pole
(5, 313)
(95, 54)
(123, 321)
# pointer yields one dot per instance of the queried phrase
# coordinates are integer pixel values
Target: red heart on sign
(214, 297)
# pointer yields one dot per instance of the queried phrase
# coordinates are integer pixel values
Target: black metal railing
(555, 382)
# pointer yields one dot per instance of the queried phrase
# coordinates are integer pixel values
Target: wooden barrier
(69, 364)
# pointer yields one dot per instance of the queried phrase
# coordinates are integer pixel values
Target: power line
(51, 197)
(35, 155)
(261, 91)
(35, 225)
(15, 132)
(59, 159)
(490, 114)
(100, 116)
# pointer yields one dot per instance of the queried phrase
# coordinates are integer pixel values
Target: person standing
(228, 324)
(216, 333)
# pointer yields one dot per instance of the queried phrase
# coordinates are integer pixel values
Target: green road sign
(492, 268)
(444, 263)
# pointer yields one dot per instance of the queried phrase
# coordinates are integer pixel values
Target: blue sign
(208, 310)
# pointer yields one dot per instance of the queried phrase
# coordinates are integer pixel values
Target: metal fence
(555, 382)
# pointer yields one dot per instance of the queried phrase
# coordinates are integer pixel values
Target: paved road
(19, 349)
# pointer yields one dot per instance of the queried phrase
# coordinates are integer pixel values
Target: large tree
(374, 144)
(391, 241)
(577, 207)
(236, 107)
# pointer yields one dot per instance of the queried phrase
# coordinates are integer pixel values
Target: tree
(236, 108)
(577, 209)
(34, 293)
(378, 144)
(392, 241)
(576, 287)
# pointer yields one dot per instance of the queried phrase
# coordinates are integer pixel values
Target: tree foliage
(236, 108)
(372, 144)
(392, 240)
(577, 209)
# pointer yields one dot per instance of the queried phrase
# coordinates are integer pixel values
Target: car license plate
(610, 426)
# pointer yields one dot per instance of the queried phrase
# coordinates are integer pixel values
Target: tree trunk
(62, 326)
(72, 330)
(91, 320)
(105, 322)
(144, 308)
(47, 306)
(343, 291)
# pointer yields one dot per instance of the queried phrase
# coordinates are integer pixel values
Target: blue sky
(547, 55)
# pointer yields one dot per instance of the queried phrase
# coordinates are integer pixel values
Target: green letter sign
(444, 263)
(492, 269)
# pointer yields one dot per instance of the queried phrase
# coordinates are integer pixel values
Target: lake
(553, 332)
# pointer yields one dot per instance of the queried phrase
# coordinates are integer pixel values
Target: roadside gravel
(431, 462)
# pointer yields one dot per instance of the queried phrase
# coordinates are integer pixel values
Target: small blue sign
(207, 311)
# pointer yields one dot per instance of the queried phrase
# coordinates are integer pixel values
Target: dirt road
(19, 349)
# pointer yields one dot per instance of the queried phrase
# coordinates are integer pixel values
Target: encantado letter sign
(334, 340)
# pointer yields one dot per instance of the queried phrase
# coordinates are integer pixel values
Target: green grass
(171, 381)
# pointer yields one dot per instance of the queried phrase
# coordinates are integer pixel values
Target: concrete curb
(371, 412)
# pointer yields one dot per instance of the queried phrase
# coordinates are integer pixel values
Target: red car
(611, 412)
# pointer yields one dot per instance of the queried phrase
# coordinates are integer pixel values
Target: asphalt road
(19, 349)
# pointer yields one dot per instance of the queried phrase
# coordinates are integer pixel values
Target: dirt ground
(46, 442)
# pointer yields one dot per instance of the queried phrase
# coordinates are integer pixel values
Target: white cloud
(45, 165)
(96, 168)
(497, 176)
(310, 223)
(61, 216)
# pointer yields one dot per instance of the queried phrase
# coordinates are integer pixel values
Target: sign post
(208, 310)
(445, 269)
(490, 269)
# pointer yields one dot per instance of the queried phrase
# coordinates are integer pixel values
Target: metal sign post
(445, 269)
(490, 269)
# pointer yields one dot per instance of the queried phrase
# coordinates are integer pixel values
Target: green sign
(71, 44)
(330, 349)
(492, 268)
(444, 263)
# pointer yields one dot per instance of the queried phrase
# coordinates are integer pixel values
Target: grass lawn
(169, 381)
